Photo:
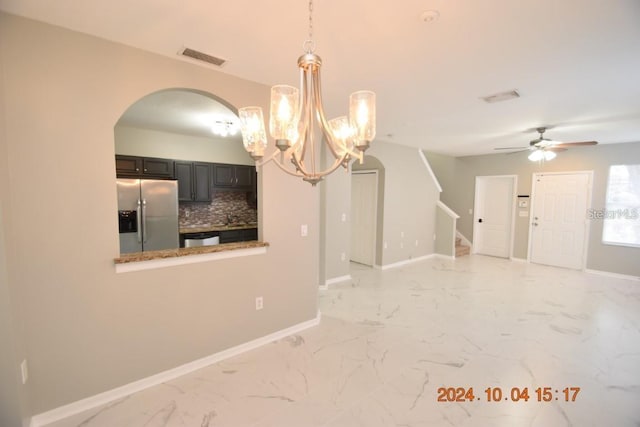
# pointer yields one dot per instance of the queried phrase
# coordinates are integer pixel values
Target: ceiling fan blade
(556, 149)
(579, 143)
(511, 148)
(519, 151)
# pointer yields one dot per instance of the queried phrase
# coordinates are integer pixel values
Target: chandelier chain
(310, 19)
(309, 45)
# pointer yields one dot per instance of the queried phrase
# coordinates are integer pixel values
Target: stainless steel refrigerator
(147, 214)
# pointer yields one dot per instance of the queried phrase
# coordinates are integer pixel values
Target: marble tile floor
(389, 340)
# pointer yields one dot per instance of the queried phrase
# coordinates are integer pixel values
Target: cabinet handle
(137, 169)
(145, 169)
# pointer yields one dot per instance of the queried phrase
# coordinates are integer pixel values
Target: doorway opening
(364, 202)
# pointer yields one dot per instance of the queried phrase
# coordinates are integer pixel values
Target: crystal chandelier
(293, 115)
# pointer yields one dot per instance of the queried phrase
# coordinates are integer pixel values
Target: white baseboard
(335, 280)
(405, 262)
(610, 274)
(447, 257)
(518, 259)
(136, 386)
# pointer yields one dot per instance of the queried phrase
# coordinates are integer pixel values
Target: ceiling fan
(544, 148)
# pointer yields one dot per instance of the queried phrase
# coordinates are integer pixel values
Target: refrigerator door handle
(138, 220)
(144, 219)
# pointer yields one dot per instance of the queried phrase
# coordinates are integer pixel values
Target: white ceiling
(575, 63)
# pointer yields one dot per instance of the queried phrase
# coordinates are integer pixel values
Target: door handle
(139, 222)
(144, 219)
(479, 219)
(535, 224)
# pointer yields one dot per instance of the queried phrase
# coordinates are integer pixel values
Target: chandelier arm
(305, 137)
(336, 164)
(284, 169)
(317, 93)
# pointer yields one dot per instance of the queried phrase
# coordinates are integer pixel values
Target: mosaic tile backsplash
(223, 204)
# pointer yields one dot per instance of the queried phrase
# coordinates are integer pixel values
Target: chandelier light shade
(293, 117)
(254, 137)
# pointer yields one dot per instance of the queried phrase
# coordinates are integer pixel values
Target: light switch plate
(304, 230)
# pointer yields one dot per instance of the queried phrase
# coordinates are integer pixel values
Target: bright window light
(622, 211)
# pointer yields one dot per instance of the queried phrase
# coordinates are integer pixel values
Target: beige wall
(410, 198)
(336, 201)
(154, 143)
(14, 409)
(445, 229)
(86, 328)
(13, 399)
(459, 194)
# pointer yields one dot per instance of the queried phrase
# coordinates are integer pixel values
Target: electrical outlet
(304, 230)
(343, 256)
(259, 303)
(416, 243)
(24, 371)
(402, 234)
(470, 211)
(385, 245)
(344, 217)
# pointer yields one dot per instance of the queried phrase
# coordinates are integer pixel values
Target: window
(622, 211)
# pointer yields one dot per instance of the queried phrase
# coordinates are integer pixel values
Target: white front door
(559, 219)
(493, 219)
(364, 205)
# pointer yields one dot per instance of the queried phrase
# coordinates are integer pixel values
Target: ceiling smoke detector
(429, 16)
(200, 56)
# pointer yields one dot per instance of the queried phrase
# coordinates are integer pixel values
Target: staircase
(461, 250)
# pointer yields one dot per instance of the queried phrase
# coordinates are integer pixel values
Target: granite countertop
(173, 253)
(217, 227)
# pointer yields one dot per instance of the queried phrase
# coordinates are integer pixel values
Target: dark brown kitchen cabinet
(143, 167)
(194, 181)
(244, 235)
(233, 177)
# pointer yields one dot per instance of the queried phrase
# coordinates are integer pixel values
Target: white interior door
(559, 219)
(493, 219)
(364, 204)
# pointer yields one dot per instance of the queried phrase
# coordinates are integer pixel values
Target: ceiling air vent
(502, 96)
(203, 57)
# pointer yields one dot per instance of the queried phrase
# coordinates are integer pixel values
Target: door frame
(587, 228)
(375, 211)
(512, 230)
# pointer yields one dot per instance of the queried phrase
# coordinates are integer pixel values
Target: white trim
(428, 166)
(405, 262)
(136, 386)
(518, 259)
(447, 210)
(190, 259)
(335, 280)
(610, 274)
